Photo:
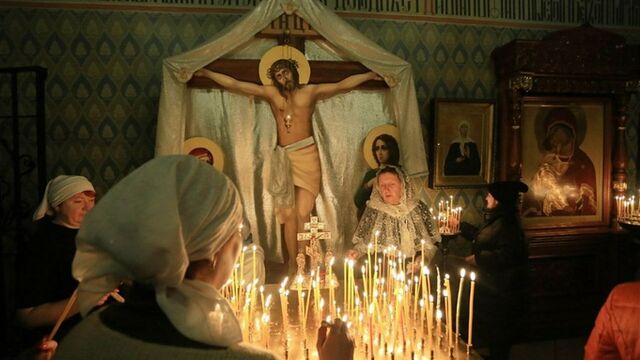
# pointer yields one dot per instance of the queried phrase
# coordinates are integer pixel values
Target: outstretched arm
(324, 91)
(43, 314)
(232, 84)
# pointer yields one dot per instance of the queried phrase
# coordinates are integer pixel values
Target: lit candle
(284, 305)
(422, 310)
(369, 275)
(371, 307)
(472, 276)
(363, 269)
(438, 289)
(244, 249)
(331, 289)
(253, 262)
(449, 310)
(262, 298)
(430, 316)
(416, 280)
(438, 324)
(300, 298)
(265, 329)
(462, 274)
(345, 285)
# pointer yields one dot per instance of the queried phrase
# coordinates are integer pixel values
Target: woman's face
(390, 188)
(464, 130)
(72, 211)
(491, 201)
(381, 151)
(225, 259)
(559, 136)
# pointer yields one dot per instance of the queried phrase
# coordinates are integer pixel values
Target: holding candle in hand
(449, 217)
(500, 257)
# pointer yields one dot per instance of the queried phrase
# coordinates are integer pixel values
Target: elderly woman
(400, 219)
(385, 151)
(171, 226)
(44, 279)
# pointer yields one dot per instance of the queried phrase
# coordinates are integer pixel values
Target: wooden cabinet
(574, 253)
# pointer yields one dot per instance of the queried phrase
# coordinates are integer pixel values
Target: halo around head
(371, 136)
(284, 52)
(197, 146)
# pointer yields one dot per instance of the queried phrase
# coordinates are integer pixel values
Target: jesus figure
(296, 174)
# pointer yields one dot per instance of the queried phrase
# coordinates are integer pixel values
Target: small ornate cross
(314, 236)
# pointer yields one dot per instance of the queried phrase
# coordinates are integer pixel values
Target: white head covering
(407, 202)
(402, 225)
(170, 211)
(58, 190)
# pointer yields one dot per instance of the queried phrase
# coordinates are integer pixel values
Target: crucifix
(291, 85)
(313, 250)
(293, 31)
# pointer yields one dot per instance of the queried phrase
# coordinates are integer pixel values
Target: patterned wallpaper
(104, 72)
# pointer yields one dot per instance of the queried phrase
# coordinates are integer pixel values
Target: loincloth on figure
(303, 161)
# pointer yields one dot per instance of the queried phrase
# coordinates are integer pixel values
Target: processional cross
(314, 235)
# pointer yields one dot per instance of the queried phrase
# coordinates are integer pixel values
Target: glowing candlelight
(262, 297)
(345, 285)
(284, 304)
(462, 274)
(447, 285)
(438, 289)
(253, 262)
(472, 276)
(438, 323)
(371, 307)
(331, 289)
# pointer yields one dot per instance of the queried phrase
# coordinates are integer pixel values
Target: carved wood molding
(581, 51)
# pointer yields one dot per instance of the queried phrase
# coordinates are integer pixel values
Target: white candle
(462, 274)
(472, 276)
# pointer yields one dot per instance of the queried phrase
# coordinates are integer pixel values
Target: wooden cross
(292, 30)
(314, 236)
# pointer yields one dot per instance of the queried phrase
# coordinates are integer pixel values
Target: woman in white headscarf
(44, 278)
(399, 219)
(171, 226)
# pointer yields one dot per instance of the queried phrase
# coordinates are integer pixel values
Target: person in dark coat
(499, 255)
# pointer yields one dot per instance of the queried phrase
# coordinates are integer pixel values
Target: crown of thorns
(290, 64)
